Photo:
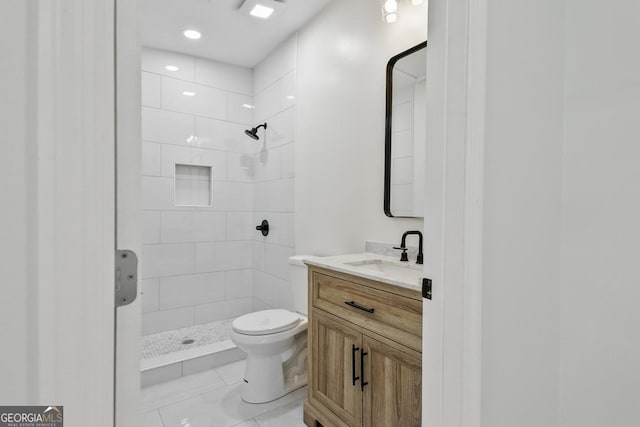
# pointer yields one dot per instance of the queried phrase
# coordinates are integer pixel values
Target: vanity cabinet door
(393, 394)
(335, 363)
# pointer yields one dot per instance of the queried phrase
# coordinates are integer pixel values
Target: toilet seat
(266, 322)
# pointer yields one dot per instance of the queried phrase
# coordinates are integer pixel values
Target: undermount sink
(373, 266)
(401, 270)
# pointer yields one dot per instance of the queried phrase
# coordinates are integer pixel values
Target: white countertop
(382, 268)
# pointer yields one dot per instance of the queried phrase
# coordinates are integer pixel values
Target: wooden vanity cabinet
(364, 347)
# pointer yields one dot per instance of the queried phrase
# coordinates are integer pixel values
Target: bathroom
(530, 220)
(204, 264)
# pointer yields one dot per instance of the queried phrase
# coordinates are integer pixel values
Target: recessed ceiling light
(186, 93)
(192, 34)
(260, 11)
(172, 68)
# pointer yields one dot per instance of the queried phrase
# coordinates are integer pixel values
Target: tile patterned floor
(212, 399)
(162, 343)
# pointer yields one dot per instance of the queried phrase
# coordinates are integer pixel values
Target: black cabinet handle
(359, 307)
(362, 381)
(353, 364)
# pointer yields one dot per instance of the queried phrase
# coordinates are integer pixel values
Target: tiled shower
(205, 186)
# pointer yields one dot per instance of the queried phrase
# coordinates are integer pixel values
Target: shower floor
(163, 343)
(171, 354)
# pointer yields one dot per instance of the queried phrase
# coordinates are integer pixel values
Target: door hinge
(126, 277)
(426, 288)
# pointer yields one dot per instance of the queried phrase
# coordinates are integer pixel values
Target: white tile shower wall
(274, 82)
(402, 156)
(198, 260)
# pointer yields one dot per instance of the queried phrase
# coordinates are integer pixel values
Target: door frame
(452, 320)
(453, 222)
(128, 211)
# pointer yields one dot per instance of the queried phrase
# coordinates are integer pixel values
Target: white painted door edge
(58, 152)
(128, 215)
(452, 320)
(474, 215)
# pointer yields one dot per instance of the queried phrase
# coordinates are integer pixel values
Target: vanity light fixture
(390, 18)
(389, 9)
(171, 68)
(192, 34)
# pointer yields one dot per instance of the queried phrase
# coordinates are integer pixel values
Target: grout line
(161, 419)
(196, 82)
(277, 80)
(250, 153)
(193, 306)
(195, 116)
(213, 180)
(197, 274)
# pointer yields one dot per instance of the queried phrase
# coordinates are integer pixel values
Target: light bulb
(390, 18)
(390, 6)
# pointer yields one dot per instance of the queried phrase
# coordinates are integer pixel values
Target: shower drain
(188, 341)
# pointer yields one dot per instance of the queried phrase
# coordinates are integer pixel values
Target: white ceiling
(227, 35)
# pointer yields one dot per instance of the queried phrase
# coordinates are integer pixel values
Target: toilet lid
(265, 322)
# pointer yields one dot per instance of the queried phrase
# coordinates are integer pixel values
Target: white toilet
(276, 344)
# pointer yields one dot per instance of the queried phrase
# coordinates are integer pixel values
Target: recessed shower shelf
(192, 185)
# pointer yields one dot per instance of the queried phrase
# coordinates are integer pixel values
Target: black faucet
(403, 246)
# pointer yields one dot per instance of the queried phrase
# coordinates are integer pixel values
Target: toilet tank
(298, 272)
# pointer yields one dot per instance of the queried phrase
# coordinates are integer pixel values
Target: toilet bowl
(276, 344)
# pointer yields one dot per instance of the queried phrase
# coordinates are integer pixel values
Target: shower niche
(192, 185)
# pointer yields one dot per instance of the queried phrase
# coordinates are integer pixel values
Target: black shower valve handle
(263, 227)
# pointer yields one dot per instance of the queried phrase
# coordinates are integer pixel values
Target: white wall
(342, 56)
(523, 160)
(600, 318)
(204, 264)
(197, 260)
(274, 83)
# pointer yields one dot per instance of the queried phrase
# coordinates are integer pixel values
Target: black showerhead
(253, 133)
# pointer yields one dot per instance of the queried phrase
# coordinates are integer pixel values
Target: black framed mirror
(405, 133)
